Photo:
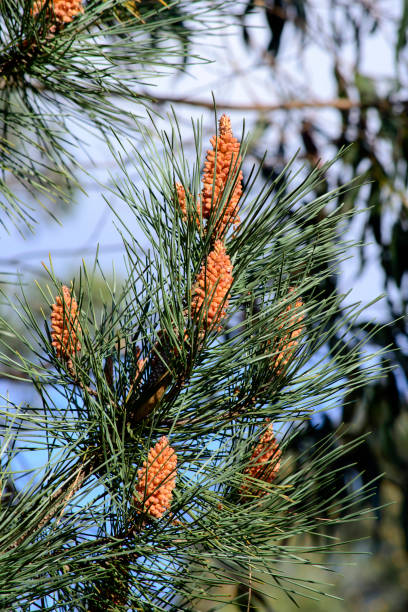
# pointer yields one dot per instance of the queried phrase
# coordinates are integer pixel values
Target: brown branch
(77, 381)
(70, 491)
(152, 393)
(336, 103)
(75, 487)
(150, 399)
(342, 104)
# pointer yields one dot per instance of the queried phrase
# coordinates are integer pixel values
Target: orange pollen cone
(220, 171)
(65, 325)
(63, 10)
(264, 464)
(286, 346)
(182, 201)
(156, 480)
(212, 286)
(181, 197)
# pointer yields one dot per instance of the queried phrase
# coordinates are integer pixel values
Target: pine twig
(77, 381)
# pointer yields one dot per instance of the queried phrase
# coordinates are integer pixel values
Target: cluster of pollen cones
(220, 172)
(222, 182)
(63, 11)
(65, 325)
(264, 464)
(156, 480)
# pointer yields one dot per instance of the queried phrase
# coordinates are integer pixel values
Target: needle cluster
(218, 325)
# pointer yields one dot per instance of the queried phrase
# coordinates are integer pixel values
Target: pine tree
(167, 419)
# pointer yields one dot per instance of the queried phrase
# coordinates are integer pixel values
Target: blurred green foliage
(373, 124)
(360, 581)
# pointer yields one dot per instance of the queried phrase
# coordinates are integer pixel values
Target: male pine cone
(211, 290)
(156, 480)
(292, 327)
(221, 172)
(221, 169)
(264, 464)
(65, 325)
(63, 11)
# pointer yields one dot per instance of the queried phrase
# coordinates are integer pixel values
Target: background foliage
(372, 113)
(86, 73)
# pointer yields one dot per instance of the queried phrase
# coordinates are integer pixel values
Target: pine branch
(161, 398)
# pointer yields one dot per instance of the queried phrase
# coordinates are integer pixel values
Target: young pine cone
(156, 480)
(285, 347)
